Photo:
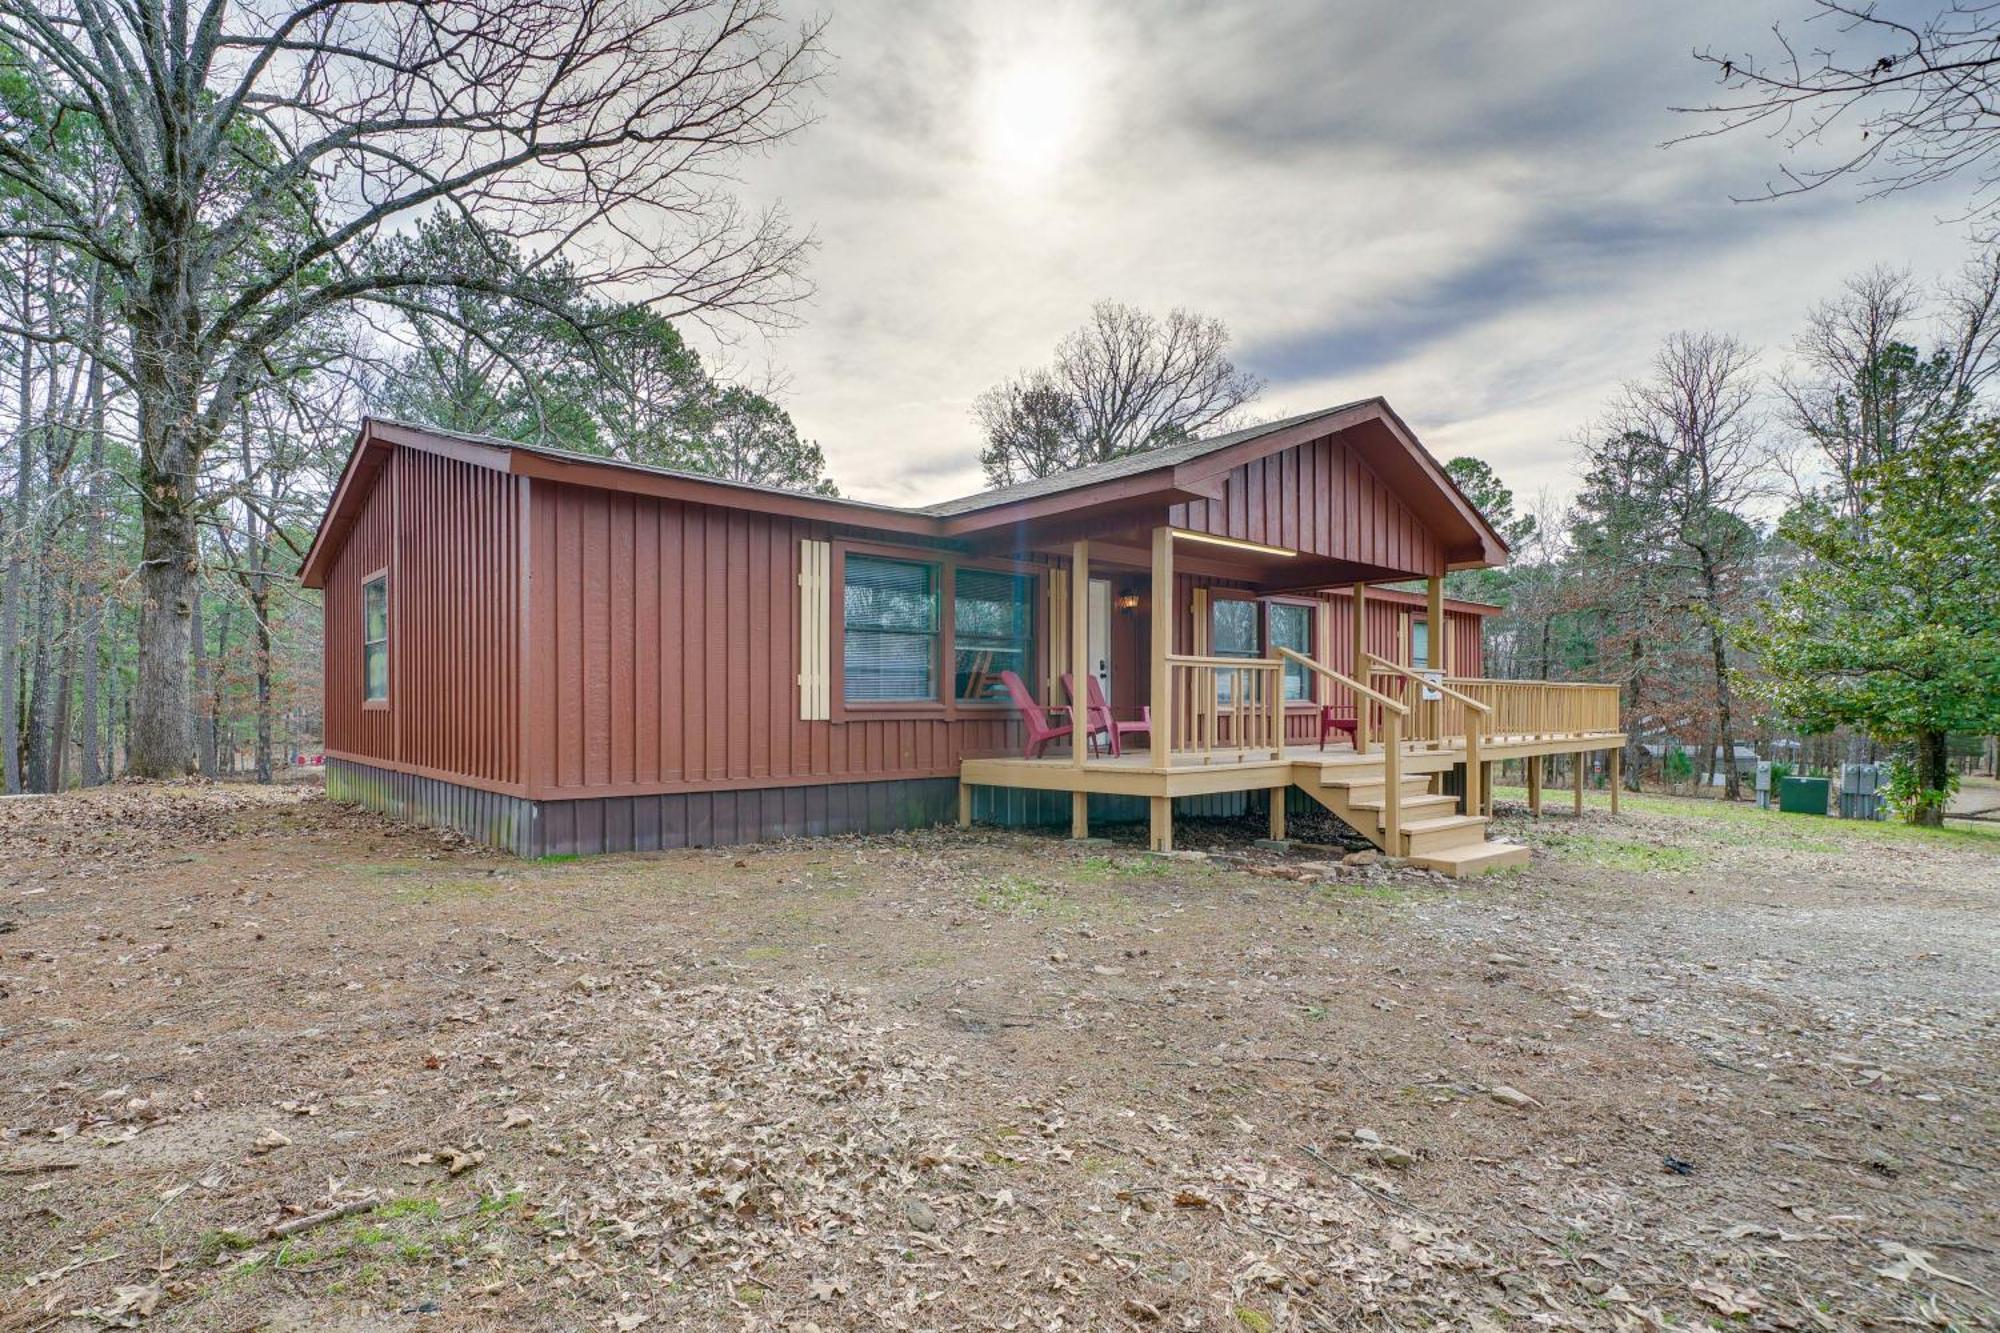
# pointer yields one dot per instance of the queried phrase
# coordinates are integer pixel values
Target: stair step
(1414, 807)
(1361, 789)
(1430, 835)
(1473, 859)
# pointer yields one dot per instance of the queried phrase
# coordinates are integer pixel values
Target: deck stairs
(1434, 835)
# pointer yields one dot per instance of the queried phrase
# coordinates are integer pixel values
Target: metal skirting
(1025, 807)
(722, 818)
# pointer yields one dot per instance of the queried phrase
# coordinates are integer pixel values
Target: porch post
(1079, 654)
(1164, 611)
(1434, 637)
(1617, 757)
(1534, 763)
(1358, 666)
(1577, 762)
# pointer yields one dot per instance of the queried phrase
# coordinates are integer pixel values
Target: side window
(889, 632)
(993, 630)
(1420, 645)
(375, 639)
(1290, 626)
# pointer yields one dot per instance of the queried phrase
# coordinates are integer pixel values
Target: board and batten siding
(666, 655)
(448, 533)
(1321, 498)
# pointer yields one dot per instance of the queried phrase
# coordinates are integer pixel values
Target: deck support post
(1161, 809)
(1486, 788)
(1392, 783)
(1478, 775)
(1534, 764)
(1278, 813)
(1434, 640)
(965, 805)
(1164, 611)
(1079, 815)
(1616, 759)
(1358, 666)
(1578, 761)
(1079, 654)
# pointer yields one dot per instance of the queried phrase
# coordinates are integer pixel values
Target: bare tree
(1696, 460)
(1891, 101)
(1863, 388)
(260, 153)
(1124, 382)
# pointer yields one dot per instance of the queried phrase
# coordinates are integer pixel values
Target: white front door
(1100, 633)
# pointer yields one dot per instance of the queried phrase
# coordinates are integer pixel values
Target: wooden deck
(1431, 828)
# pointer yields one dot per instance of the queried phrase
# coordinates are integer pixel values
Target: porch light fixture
(1128, 602)
(1233, 543)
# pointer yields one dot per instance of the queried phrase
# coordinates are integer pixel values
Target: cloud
(1471, 215)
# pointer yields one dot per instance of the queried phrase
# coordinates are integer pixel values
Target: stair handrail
(1475, 797)
(1396, 706)
(1393, 713)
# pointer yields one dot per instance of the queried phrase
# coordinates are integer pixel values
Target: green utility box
(1803, 796)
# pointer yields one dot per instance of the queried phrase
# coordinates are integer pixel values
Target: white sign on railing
(1432, 679)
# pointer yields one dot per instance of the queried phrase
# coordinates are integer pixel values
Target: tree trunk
(204, 735)
(65, 681)
(169, 364)
(260, 606)
(1933, 773)
(1635, 745)
(222, 758)
(1732, 781)
(93, 555)
(41, 671)
(16, 553)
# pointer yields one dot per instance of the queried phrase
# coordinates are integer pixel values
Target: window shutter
(1058, 635)
(815, 631)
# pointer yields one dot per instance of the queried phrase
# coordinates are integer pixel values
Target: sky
(1476, 220)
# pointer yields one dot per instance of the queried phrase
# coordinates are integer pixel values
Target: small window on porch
(993, 630)
(1420, 645)
(1290, 626)
(1232, 632)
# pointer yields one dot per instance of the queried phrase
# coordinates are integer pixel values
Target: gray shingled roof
(1128, 466)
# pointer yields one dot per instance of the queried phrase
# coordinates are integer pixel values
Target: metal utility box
(1803, 796)
(1763, 784)
(1861, 790)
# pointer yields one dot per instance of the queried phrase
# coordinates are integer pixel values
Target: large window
(375, 639)
(1290, 626)
(890, 632)
(993, 630)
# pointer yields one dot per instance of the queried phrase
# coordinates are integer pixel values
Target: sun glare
(1032, 113)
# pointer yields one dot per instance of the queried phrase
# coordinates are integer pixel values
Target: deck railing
(1449, 715)
(1227, 709)
(1391, 716)
(1537, 709)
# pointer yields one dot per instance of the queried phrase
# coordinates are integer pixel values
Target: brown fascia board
(1158, 486)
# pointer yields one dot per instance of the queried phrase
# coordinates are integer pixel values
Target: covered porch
(1370, 743)
(1237, 604)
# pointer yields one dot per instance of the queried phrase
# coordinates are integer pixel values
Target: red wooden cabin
(556, 652)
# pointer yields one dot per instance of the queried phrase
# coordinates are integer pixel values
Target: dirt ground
(269, 1063)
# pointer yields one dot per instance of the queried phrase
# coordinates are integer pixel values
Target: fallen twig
(292, 1226)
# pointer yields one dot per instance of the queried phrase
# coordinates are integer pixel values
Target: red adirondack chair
(1033, 716)
(1101, 721)
(1330, 720)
